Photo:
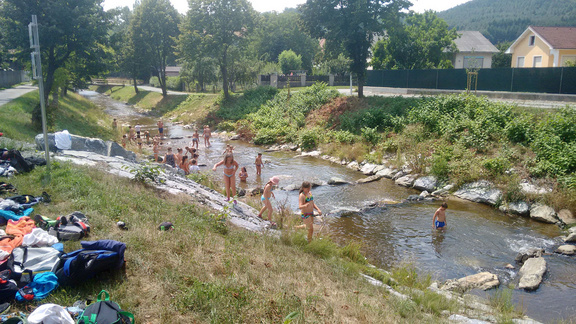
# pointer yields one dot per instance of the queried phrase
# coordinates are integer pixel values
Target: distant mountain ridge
(505, 20)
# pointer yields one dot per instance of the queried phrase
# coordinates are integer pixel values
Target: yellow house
(544, 47)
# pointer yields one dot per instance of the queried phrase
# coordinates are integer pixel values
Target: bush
(344, 136)
(371, 135)
(496, 166)
(520, 129)
(309, 139)
(172, 83)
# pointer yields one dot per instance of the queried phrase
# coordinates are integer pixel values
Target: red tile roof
(558, 37)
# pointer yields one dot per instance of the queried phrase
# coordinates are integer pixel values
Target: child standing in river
(266, 195)
(307, 206)
(258, 164)
(439, 219)
(195, 138)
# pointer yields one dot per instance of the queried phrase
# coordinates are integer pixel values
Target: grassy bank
(205, 271)
(74, 113)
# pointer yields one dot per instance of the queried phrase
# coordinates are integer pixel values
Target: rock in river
(521, 257)
(480, 191)
(425, 183)
(566, 249)
(566, 216)
(368, 169)
(531, 273)
(406, 181)
(337, 181)
(543, 213)
(517, 207)
(482, 280)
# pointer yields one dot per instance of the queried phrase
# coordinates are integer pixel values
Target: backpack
(105, 312)
(72, 227)
(95, 257)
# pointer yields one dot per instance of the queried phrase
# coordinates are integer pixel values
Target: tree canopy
(352, 23)
(213, 28)
(423, 41)
(153, 30)
(68, 30)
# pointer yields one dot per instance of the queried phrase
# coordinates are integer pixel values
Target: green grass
(207, 271)
(149, 101)
(75, 113)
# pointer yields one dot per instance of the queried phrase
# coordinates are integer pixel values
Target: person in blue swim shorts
(439, 219)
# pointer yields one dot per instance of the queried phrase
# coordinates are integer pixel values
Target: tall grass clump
(238, 106)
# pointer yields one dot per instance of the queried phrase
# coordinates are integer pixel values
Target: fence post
(331, 80)
(561, 80)
(512, 81)
(407, 78)
(303, 80)
(437, 78)
(274, 80)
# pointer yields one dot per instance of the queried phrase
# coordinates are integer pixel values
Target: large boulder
(482, 280)
(426, 183)
(521, 257)
(571, 238)
(406, 181)
(481, 192)
(531, 273)
(368, 169)
(369, 179)
(517, 207)
(39, 139)
(531, 189)
(566, 249)
(334, 181)
(566, 216)
(543, 213)
(114, 149)
(387, 173)
(353, 165)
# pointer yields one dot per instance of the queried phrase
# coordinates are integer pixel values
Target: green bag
(104, 311)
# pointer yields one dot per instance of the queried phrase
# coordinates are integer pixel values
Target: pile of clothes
(11, 162)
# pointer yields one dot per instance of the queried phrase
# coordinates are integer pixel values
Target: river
(478, 238)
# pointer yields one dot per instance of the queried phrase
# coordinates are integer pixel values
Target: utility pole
(37, 74)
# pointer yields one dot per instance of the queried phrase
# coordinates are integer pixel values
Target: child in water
(259, 164)
(307, 206)
(266, 198)
(439, 219)
(243, 174)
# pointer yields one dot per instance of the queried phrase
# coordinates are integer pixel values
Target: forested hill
(505, 20)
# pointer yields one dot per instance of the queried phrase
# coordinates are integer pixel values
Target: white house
(474, 51)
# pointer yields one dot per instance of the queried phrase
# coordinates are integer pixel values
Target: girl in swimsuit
(307, 206)
(195, 138)
(243, 174)
(230, 168)
(266, 198)
(184, 165)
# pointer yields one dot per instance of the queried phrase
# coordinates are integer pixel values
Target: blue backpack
(95, 257)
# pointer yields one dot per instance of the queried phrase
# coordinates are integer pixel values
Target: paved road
(154, 89)
(13, 93)
(391, 92)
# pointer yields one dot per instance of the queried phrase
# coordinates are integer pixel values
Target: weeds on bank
(501, 302)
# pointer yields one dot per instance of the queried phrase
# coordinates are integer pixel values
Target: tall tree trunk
(135, 84)
(360, 87)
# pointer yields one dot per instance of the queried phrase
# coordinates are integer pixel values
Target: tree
(353, 23)
(152, 33)
(422, 42)
(288, 61)
(278, 32)
(501, 59)
(67, 30)
(213, 28)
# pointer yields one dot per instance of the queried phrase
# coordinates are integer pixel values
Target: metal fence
(560, 80)
(10, 78)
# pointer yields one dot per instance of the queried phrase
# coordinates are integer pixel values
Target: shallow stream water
(478, 238)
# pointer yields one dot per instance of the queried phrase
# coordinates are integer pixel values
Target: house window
(537, 61)
(520, 61)
(568, 58)
(531, 40)
(473, 62)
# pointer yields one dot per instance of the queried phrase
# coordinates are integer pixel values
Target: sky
(279, 5)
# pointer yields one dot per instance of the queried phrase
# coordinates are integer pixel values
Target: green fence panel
(453, 79)
(494, 79)
(426, 79)
(568, 80)
(545, 80)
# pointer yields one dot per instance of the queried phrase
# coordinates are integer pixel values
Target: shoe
(46, 197)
